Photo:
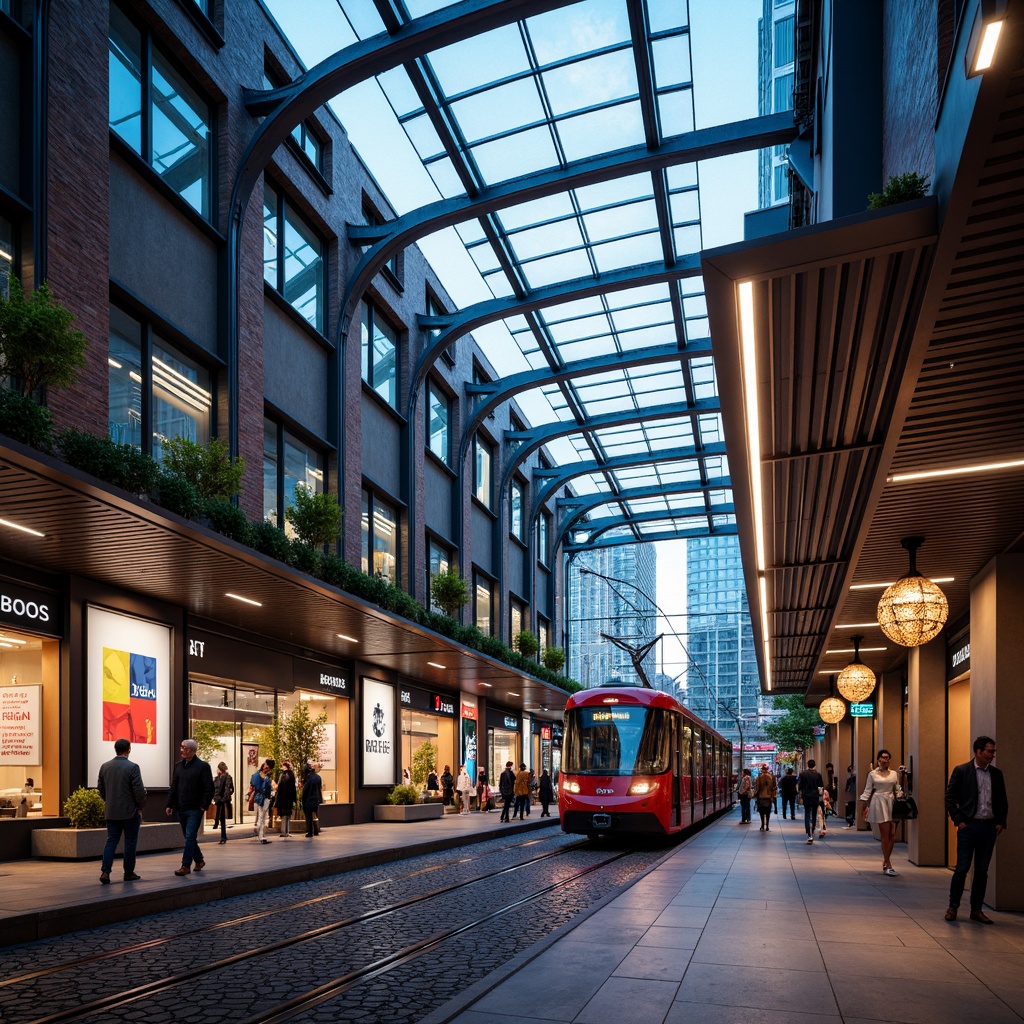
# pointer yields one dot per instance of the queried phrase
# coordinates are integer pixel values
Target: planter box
(407, 812)
(88, 843)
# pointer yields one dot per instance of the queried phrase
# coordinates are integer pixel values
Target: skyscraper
(775, 93)
(623, 610)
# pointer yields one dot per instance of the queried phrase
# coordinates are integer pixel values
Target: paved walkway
(738, 926)
(45, 898)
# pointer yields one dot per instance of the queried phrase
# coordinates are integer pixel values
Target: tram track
(152, 988)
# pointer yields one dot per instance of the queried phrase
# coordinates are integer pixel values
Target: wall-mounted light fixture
(914, 609)
(984, 40)
(856, 681)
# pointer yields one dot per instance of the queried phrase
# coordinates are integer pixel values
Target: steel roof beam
(674, 534)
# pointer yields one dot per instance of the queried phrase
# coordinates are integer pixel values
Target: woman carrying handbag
(879, 793)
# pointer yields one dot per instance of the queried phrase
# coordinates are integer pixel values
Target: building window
(439, 558)
(782, 93)
(6, 256)
(434, 308)
(543, 635)
(785, 40)
(158, 115)
(302, 134)
(516, 621)
(780, 182)
(543, 533)
(154, 391)
(515, 519)
(483, 603)
(438, 416)
(287, 462)
(380, 355)
(380, 538)
(293, 262)
(482, 463)
(393, 267)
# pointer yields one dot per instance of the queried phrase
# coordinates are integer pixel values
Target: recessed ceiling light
(512, 694)
(488, 685)
(850, 650)
(3, 644)
(11, 640)
(245, 600)
(882, 586)
(930, 474)
(350, 639)
(858, 625)
(434, 664)
(23, 529)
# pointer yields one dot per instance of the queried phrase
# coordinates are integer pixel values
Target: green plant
(900, 188)
(209, 739)
(301, 736)
(305, 558)
(795, 728)
(177, 495)
(228, 519)
(209, 468)
(315, 517)
(526, 643)
(269, 540)
(554, 658)
(38, 346)
(85, 809)
(404, 795)
(424, 760)
(119, 464)
(25, 420)
(448, 591)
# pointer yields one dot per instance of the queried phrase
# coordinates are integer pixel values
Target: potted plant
(526, 644)
(900, 188)
(448, 591)
(554, 659)
(404, 805)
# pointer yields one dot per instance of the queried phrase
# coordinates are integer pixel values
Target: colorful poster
(21, 725)
(129, 696)
(378, 714)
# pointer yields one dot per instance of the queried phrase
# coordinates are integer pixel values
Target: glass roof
(544, 95)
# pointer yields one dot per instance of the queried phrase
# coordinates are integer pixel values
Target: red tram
(634, 760)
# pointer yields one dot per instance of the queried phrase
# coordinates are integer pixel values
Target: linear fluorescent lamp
(883, 586)
(244, 600)
(857, 625)
(931, 474)
(23, 529)
(350, 639)
(850, 650)
(434, 664)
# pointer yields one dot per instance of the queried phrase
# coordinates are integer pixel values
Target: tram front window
(616, 741)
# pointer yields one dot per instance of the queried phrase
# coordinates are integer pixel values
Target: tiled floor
(739, 926)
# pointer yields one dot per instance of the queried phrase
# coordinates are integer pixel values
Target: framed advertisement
(128, 671)
(250, 760)
(21, 725)
(378, 739)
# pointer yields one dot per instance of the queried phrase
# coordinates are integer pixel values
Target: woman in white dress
(466, 788)
(879, 791)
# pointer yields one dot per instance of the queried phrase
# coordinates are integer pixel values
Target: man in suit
(507, 788)
(120, 785)
(976, 803)
(312, 798)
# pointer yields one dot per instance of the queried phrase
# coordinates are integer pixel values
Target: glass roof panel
(587, 135)
(552, 237)
(615, 221)
(563, 34)
(494, 111)
(591, 82)
(628, 252)
(515, 155)
(617, 190)
(538, 211)
(446, 179)
(663, 334)
(591, 326)
(480, 60)
(687, 239)
(552, 269)
(671, 60)
(676, 110)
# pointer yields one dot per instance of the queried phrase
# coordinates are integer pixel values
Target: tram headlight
(640, 788)
(571, 786)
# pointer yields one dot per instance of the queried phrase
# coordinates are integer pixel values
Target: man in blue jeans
(810, 783)
(191, 793)
(120, 785)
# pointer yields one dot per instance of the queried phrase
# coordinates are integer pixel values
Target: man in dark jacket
(120, 785)
(507, 788)
(810, 784)
(191, 793)
(976, 803)
(312, 798)
(787, 787)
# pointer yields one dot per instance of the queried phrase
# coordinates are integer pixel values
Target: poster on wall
(378, 733)
(21, 725)
(250, 760)
(128, 667)
(325, 752)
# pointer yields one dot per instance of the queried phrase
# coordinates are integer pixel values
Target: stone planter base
(88, 843)
(407, 812)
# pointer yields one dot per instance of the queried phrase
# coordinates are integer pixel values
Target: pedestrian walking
(745, 791)
(464, 785)
(190, 794)
(433, 785)
(824, 810)
(811, 785)
(522, 792)
(284, 801)
(546, 793)
(879, 792)
(223, 790)
(787, 786)
(507, 789)
(483, 793)
(765, 792)
(976, 803)
(447, 785)
(120, 785)
(850, 795)
(312, 798)
(261, 788)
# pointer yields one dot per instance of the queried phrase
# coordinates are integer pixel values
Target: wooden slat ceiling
(873, 364)
(113, 538)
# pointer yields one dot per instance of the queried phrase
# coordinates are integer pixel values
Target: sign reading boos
(20, 725)
(31, 609)
(379, 733)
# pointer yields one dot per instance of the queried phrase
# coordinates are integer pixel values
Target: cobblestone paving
(239, 991)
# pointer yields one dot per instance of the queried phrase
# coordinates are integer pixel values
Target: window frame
(482, 445)
(434, 389)
(370, 317)
(517, 533)
(433, 543)
(282, 433)
(543, 538)
(367, 535)
(482, 580)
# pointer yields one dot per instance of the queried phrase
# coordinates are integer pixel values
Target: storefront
(504, 741)
(427, 732)
(546, 747)
(31, 630)
(958, 713)
(248, 702)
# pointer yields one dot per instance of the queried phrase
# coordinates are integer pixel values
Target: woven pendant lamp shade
(913, 610)
(831, 710)
(856, 681)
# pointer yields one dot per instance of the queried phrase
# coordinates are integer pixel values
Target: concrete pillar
(926, 746)
(888, 698)
(864, 750)
(997, 704)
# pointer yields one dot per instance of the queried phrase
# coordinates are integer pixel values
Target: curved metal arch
(537, 437)
(386, 240)
(559, 476)
(684, 534)
(580, 506)
(454, 325)
(501, 390)
(657, 516)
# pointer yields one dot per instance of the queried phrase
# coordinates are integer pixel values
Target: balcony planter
(88, 843)
(407, 812)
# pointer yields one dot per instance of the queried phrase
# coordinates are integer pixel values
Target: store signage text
(862, 710)
(24, 609)
(511, 722)
(339, 683)
(196, 648)
(405, 696)
(31, 609)
(443, 705)
(961, 655)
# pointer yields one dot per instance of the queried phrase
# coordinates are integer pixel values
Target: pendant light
(856, 681)
(831, 710)
(913, 610)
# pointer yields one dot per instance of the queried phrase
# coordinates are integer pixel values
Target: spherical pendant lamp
(913, 610)
(831, 710)
(856, 681)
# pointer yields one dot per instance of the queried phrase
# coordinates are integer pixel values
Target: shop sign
(545, 732)
(959, 656)
(333, 679)
(33, 610)
(378, 733)
(511, 722)
(226, 658)
(469, 711)
(420, 700)
(21, 725)
(862, 710)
